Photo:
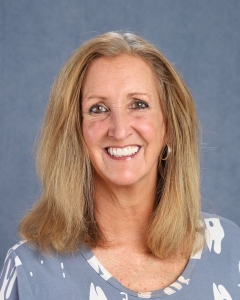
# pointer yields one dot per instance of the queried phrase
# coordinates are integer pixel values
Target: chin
(121, 180)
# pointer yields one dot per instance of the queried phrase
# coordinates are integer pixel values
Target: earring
(166, 152)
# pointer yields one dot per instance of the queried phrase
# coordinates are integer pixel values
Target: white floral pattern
(28, 274)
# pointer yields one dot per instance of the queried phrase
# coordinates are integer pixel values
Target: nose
(120, 127)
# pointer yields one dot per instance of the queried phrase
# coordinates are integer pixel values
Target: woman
(119, 216)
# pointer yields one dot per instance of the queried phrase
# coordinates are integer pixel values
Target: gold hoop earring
(166, 152)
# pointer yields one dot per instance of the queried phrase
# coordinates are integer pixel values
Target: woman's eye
(139, 104)
(98, 109)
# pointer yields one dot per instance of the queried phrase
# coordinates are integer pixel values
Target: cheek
(152, 128)
(92, 132)
(88, 133)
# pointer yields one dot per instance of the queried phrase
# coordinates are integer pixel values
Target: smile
(123, 152)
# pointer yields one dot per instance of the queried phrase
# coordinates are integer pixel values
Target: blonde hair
(63, 218)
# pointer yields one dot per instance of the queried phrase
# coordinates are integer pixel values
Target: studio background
(201, 39)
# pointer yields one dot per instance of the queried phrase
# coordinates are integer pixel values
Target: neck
(123, 213)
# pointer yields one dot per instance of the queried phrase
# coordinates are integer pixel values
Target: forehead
(126, 71)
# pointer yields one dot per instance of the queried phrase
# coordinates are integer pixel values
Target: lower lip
(122, 157)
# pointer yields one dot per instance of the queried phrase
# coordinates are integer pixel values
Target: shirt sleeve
(14, 284)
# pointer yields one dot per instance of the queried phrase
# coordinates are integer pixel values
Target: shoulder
(221, 233)
(10, 280)
(12, 259)
(22, 248)
(33, 260)
(22, 252)
(19, 255)
(212, 220)
(28, 273)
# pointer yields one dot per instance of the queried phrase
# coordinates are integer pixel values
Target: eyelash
(99, 109)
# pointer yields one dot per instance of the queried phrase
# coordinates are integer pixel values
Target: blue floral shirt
(211, 274)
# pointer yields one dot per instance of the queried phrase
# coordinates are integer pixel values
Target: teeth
(120, 152)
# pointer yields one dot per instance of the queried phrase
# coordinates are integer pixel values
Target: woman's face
(123, 125)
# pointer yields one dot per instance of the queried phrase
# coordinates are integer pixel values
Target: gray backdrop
(201, 38)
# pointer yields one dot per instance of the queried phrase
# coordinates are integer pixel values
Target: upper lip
(131, 145)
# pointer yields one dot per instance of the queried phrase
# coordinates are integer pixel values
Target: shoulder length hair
(63, 218)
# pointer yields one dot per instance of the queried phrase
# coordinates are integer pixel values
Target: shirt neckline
(183, 280)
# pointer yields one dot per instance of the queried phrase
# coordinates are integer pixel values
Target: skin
(131, 116)
(121, 108)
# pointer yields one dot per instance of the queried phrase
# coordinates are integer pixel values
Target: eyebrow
(137, 93)
(95, 97)
(105, 98)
